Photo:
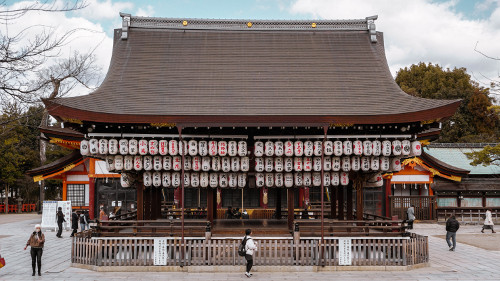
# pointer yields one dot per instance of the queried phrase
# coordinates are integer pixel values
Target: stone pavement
(467, 263)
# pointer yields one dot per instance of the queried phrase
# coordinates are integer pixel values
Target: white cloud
(98, 10)
(145, 12)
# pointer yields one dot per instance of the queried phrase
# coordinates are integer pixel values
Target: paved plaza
(474, 259)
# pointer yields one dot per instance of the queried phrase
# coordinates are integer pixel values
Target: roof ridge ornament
(370, 21)
(125, 24)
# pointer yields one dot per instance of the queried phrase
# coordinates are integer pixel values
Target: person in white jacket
(488, 222)
(250, 249)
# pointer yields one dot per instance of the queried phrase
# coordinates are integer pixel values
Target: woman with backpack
(250, 248)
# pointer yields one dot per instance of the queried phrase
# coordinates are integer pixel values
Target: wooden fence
(471, 215)
(425, 206)
(390, 251)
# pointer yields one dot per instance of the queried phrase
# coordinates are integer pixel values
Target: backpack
(241, 249)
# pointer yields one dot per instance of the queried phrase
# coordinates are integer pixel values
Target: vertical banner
(345, 251)
(160, 251)
(49, 219)
(66, 209)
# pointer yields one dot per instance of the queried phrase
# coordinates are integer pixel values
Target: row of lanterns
(300, 179)
(168, 179)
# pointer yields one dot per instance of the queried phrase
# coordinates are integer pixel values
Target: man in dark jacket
(74, 223)
(452, 225)
(60, 220)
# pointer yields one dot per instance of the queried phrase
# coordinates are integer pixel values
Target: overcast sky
(438, 31)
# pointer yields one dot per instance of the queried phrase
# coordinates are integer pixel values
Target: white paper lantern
(327, 179)
(242, 180)
(316, 179)
(288, 147)
(216, 163)
(128, 162)
(396, 164)
(318, 148)
(328, 148)
(396, 147)
(156, 179)
(317, 164)
(278, 164)
(344, 178)
(232, 148)
(94, 146)
(203, 148)
(307, 164)
(173, 147)
(125, 180)
(385, 163)
(269, 179)
(307, 179)
(153, 147)
(406, 147)
(133, 147)
(298, 148)
(327, 164)
(268, 164)
(163, 147)
(147, 178)
(183, 147)
(260, 179)
(278, 180)
(187, 179)
(195, 179)
(222, 148)
(214, 180)
(204, 180)
(355, 163)
(347, 145)
(110, 163)
(288, 180)
(226, 164)
(233, 180)
(288, 164)
(279, 149)
(375, 180)
(416, 148)
(367, 148)
(375, 163)
(137, 163)
(187, 163)
(147, 163)
(365, 163)
(157, 163)
(176, 179)
(113, 146)
(357, 147)
(103, 146)
(376, 148)
(167, 163)
(166, 180)
(123, 146)
(259, 164)
(338, 148)
(269, 148)
(297, 164)
(258, 149)
(84, 148)
(176, 163)
(193, 147)
(298, 179)
(346, 163)
(196, 163)
(336, 163)
(386, 148)
(245, 164)
(205, 164)
(335, 179)
(242, 148)
(308, 148)
(143, 147)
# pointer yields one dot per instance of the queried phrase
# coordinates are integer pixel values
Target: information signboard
(345, 251)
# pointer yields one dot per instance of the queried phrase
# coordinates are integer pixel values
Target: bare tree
(494, 82)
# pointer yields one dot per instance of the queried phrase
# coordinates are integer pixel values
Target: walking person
(36, 241)
(60, 220)
(452, 226)
(411, 216)
(74, 223)
(488, 222)
(250, 249)
(83, 221)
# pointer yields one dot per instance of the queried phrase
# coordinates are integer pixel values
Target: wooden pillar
(350, 206)
(92, 198)
(210, 205)
(359, 200)
(388, 203)
(333, 202)
(301, 197)
(140, 201)
(340, 197)
(278, 203)
(290, 207)
(216, 205)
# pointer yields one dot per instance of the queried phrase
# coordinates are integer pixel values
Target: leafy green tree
(490, 155)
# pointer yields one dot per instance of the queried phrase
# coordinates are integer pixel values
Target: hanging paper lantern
(153, 147)
(167, 163)
(318, 148)
(375, 180)
(335, 179)
(307, 179)
(216, 163)
(204, 180)
(288, 147)
(84, 148)
(307, 164)
(338, 148)
(214, 180)
(173, 147)
(259, 149)
(355, 163)
(269, 179)
(316, 179)
(195, 179)
(344, 178)
(375, 163)
(347, 145)
(222, 148)
(259, 164)
(269, 148)
(317, 165)
(232, 148)
(192, 147)
(386, 148)
(110, 163)
(176, 179)
(288, 164)
(133, 147)
(328, 148)
(226, 164)
(367, 148)
(396, 164)
(385, 163)
(278, 148)
(137, 163)
(406, 147)
(260, 179)
(297, 164)
(327, 164)
(346, 163)
(298, 179)
(416, 148)
(336, 163)
(203, 148)
(128, 162)
(396, 147)
(166, 180)
(268, 164)
(308, 148)
(103, 146)
(156, 179)
(278, 179)
(147, 163)
(176, 163)
(245, 164)
(298, 148)
(288, 180)
(157, 163)
(187, 179)
(163, 147)
(327, 179)
(205, 163)
(119, 162)
(123, 146)
(196, 164)
(147, 178)
(187, 163)
(242, 148)
(113, 146)
(278, 164)
(183, 147)
(143, 147)
(93, 146)
(365, 163)
(357, 147)
(376, 148)
(233, 180)
(242, 180)
(125, 180)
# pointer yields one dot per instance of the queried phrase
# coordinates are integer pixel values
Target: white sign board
(66, 209)
(160, 251)
(49, 219)
(345, 251)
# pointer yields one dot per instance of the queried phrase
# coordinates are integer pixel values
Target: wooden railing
(151, 228)
(125, 216)
(389, 251)
(425, 206)
(375, 228)
(472, 215)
